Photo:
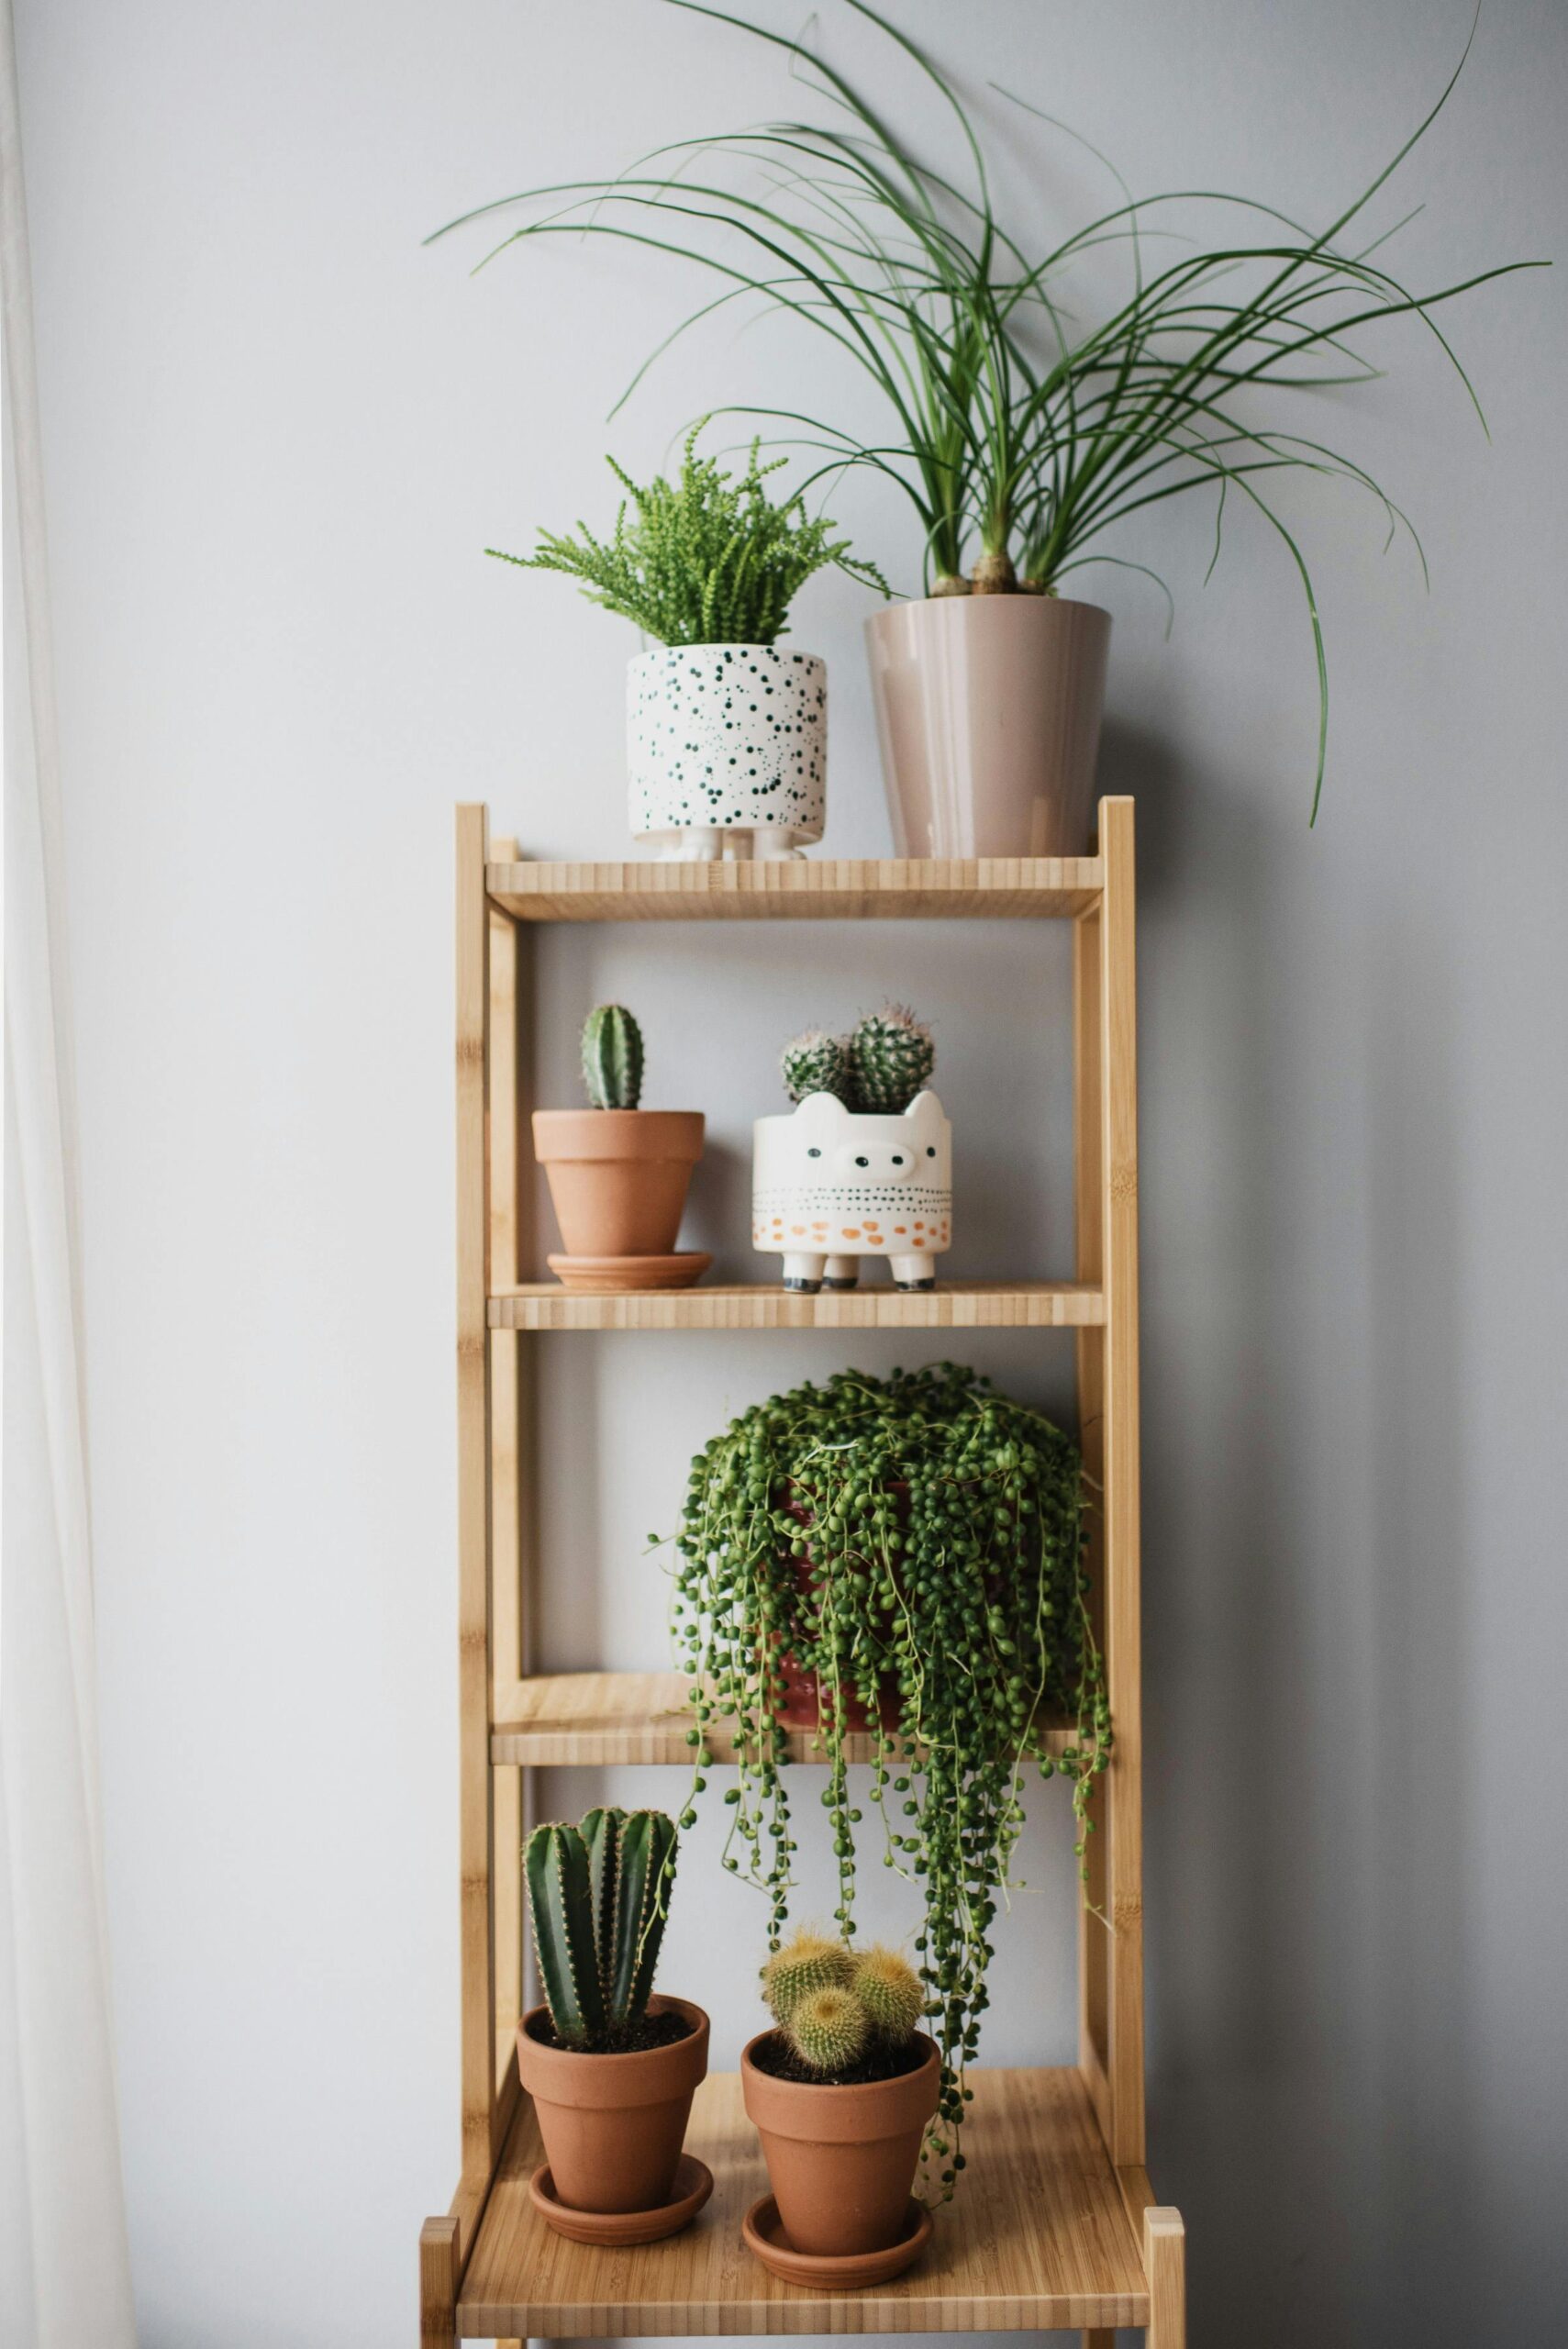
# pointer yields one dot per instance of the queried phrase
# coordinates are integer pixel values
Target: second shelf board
(1038, 2238)
(562, 1720)
(951, 1305)
(799, 889)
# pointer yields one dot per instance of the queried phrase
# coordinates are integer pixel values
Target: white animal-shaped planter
(829, 1186)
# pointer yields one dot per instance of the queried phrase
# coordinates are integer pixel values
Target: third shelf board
(951, 1305)
(596, 1720)
(1040, 2236)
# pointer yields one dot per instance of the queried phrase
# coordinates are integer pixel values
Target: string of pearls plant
(915, 1542)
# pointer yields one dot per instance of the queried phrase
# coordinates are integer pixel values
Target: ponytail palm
(1019, 435)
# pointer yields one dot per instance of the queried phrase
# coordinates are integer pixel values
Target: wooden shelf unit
(1056, 2223)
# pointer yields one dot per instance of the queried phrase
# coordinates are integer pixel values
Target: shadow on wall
(1313, 2085)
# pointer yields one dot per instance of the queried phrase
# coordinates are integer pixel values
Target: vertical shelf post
(1105, 1038)
(479, 2112)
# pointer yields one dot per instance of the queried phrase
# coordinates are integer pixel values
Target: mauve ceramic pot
(988, 713)
(841, 2160)
(613, 2125)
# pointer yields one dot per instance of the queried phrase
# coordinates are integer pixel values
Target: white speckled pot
(726, 746)
(829, 1186)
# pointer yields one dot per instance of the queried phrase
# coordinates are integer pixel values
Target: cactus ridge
(888, 1989)
(816, 1063)
(891, 1059)
(828, 2029)
(807, 1964)
(561, 1904)
(612, 1058)
(598, 1896)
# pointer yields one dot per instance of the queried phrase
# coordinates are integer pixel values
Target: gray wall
(278, 434)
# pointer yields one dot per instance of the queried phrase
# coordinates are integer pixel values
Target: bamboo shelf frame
(1057, 2225)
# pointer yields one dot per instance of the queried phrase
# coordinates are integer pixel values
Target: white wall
(278, 434)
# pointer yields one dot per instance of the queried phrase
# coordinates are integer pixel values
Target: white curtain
(64, 2269)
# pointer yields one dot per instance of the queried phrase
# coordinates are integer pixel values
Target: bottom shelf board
(1037, 2238)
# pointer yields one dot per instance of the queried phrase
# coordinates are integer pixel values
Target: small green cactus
(612, 1058)
(888, 1989)
(891, 1058)
(816, 1063)
(806, 1964)
(828, 2029)
(598, 1896)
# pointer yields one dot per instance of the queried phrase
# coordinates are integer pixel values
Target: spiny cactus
(891, 1059)
(598, 1896)
(612, 1058)
(808, 1963)
(888, 1989)
(828, 2029)
(816, 1063)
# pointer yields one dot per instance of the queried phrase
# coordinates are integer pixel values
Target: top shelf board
(799, 889)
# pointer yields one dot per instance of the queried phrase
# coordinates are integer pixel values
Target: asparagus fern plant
(703, 559)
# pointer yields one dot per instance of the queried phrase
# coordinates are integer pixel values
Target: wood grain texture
(951, 1305)
(507, 1168)
(1094, 1942)
(910, 889)
(1037, 2238)
(473, 1463)
(601, 1719)
(1165, 2265)
(1121, 1810)
(438, 2280)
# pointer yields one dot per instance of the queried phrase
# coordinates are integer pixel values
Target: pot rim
(589, 1134)
(965, 603)
(839, 2111)
(638, 2075)
(732, 644)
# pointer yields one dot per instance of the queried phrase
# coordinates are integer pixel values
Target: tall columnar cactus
(816, 1063)
(829, 2031)
(891, 1059)
(598, 1896)
(612, 1058)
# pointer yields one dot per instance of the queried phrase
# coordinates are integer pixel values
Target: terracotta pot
(841, 2160)
(988, 712)
(618, 1177)
(613, 2125)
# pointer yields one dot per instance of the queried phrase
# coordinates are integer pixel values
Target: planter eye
(814, 1153)
(863, 1161)
(930, 1150)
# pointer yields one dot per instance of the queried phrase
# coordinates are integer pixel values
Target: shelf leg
(438, 2281)
(1165, 2265)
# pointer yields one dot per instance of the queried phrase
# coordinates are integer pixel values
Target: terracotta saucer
(622, 2229)
(599, 1275)
(850, 2272)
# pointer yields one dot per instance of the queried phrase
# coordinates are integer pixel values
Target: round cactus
(891, 1060)
(816, 1063)
(828, 2029)
(612, 1058)
(888, 1989)
(806, 1964)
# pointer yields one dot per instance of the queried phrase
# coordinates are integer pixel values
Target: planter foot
(803, 1274)
(911, 1272)
(841, 1272)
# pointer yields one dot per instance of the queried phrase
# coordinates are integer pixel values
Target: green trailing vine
(916, 1543)
(703, 559)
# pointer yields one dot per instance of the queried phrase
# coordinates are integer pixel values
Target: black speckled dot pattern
(727, 735)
